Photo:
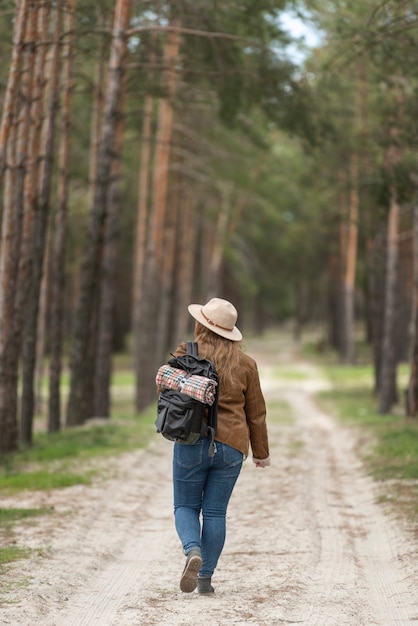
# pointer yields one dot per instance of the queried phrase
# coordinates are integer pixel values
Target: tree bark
(350, 265)
(388, 388)
(412, 392)
(78, 402)
(186, 246)
(219, 241)
(10, 97)
(376, 273)
(60, 233)
(103, 367)
(142, 230)
(11, 238)
(152, 283)
(42, 203)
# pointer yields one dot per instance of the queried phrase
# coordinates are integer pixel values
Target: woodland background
(154, 154)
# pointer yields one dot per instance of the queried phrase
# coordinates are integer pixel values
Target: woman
(204, 484)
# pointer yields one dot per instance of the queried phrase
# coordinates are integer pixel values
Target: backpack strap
(192, 348)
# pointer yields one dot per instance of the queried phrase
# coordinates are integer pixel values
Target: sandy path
(306, 542)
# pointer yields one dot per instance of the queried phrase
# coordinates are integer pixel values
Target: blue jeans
(203, 484)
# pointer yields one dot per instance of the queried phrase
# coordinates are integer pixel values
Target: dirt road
(307, 543)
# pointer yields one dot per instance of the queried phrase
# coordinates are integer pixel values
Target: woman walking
(203, 484)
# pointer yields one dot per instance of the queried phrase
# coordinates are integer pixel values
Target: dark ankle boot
(204, 585)
(188, 579)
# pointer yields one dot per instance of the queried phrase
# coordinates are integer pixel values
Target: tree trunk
(10, 97)
(186, 246)
(152, 285)
(220, 237)
(142, 231)
(376, 272)
(78, 402)
(95, 135)
(60, 234)
(348, 353)
(43, 320)
(40, 231)
(412, 393)
(103, 367)
(388, 387)
(11, 237)
(165, 308)
(97, 107)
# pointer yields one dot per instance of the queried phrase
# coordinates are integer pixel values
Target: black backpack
(180, 417)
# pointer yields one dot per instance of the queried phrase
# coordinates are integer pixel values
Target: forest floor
(307, 541)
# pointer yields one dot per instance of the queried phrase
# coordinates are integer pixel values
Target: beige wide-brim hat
(219, 316)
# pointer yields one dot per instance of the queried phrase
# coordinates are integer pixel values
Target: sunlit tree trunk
(165, 308)
(349, 281)
(152, 283)
(60, 231)
(40, 227)
(388, 388)
(185, 263)
(78, 402)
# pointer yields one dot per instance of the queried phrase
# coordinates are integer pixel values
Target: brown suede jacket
(242, 412)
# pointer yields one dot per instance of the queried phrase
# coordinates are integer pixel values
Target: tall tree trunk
(152, 285)
(376, 267)
(97, 107)
(142, 231)
(11, 238)
(10, 97)
(40, 231)
(388, 388)
(41, 333)
(412, 392)
(60, 233)
(103, 366)
(95, 135)
(350, 265)
(219, 241)
(78, 402)
(165, 308)
(186, 246)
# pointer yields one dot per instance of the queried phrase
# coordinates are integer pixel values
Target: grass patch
(54, 459)
(393, 449)
(43, 479)
(280, 412)
(9, 515)
(290, 374)
(388, 444)
(13, 553)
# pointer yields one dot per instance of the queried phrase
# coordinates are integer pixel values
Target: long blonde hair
(223, 353)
